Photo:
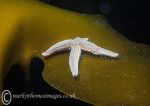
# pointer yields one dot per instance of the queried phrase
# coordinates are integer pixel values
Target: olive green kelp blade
(29, 28)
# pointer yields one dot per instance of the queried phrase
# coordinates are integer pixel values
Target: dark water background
(129, 17)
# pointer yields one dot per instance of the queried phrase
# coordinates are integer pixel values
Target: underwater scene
(74, 53)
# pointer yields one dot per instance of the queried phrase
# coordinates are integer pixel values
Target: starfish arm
(74, 60)
(91, 47)
(58, 47)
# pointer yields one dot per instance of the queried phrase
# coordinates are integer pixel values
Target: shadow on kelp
(16, 83)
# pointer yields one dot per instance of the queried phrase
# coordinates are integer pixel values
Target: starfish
(75, 46)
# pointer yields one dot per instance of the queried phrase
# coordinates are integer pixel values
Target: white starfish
(76, 45)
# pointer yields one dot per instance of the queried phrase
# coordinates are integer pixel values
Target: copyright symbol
(6, 97)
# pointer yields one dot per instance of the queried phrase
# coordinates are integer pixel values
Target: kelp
(27, 28)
